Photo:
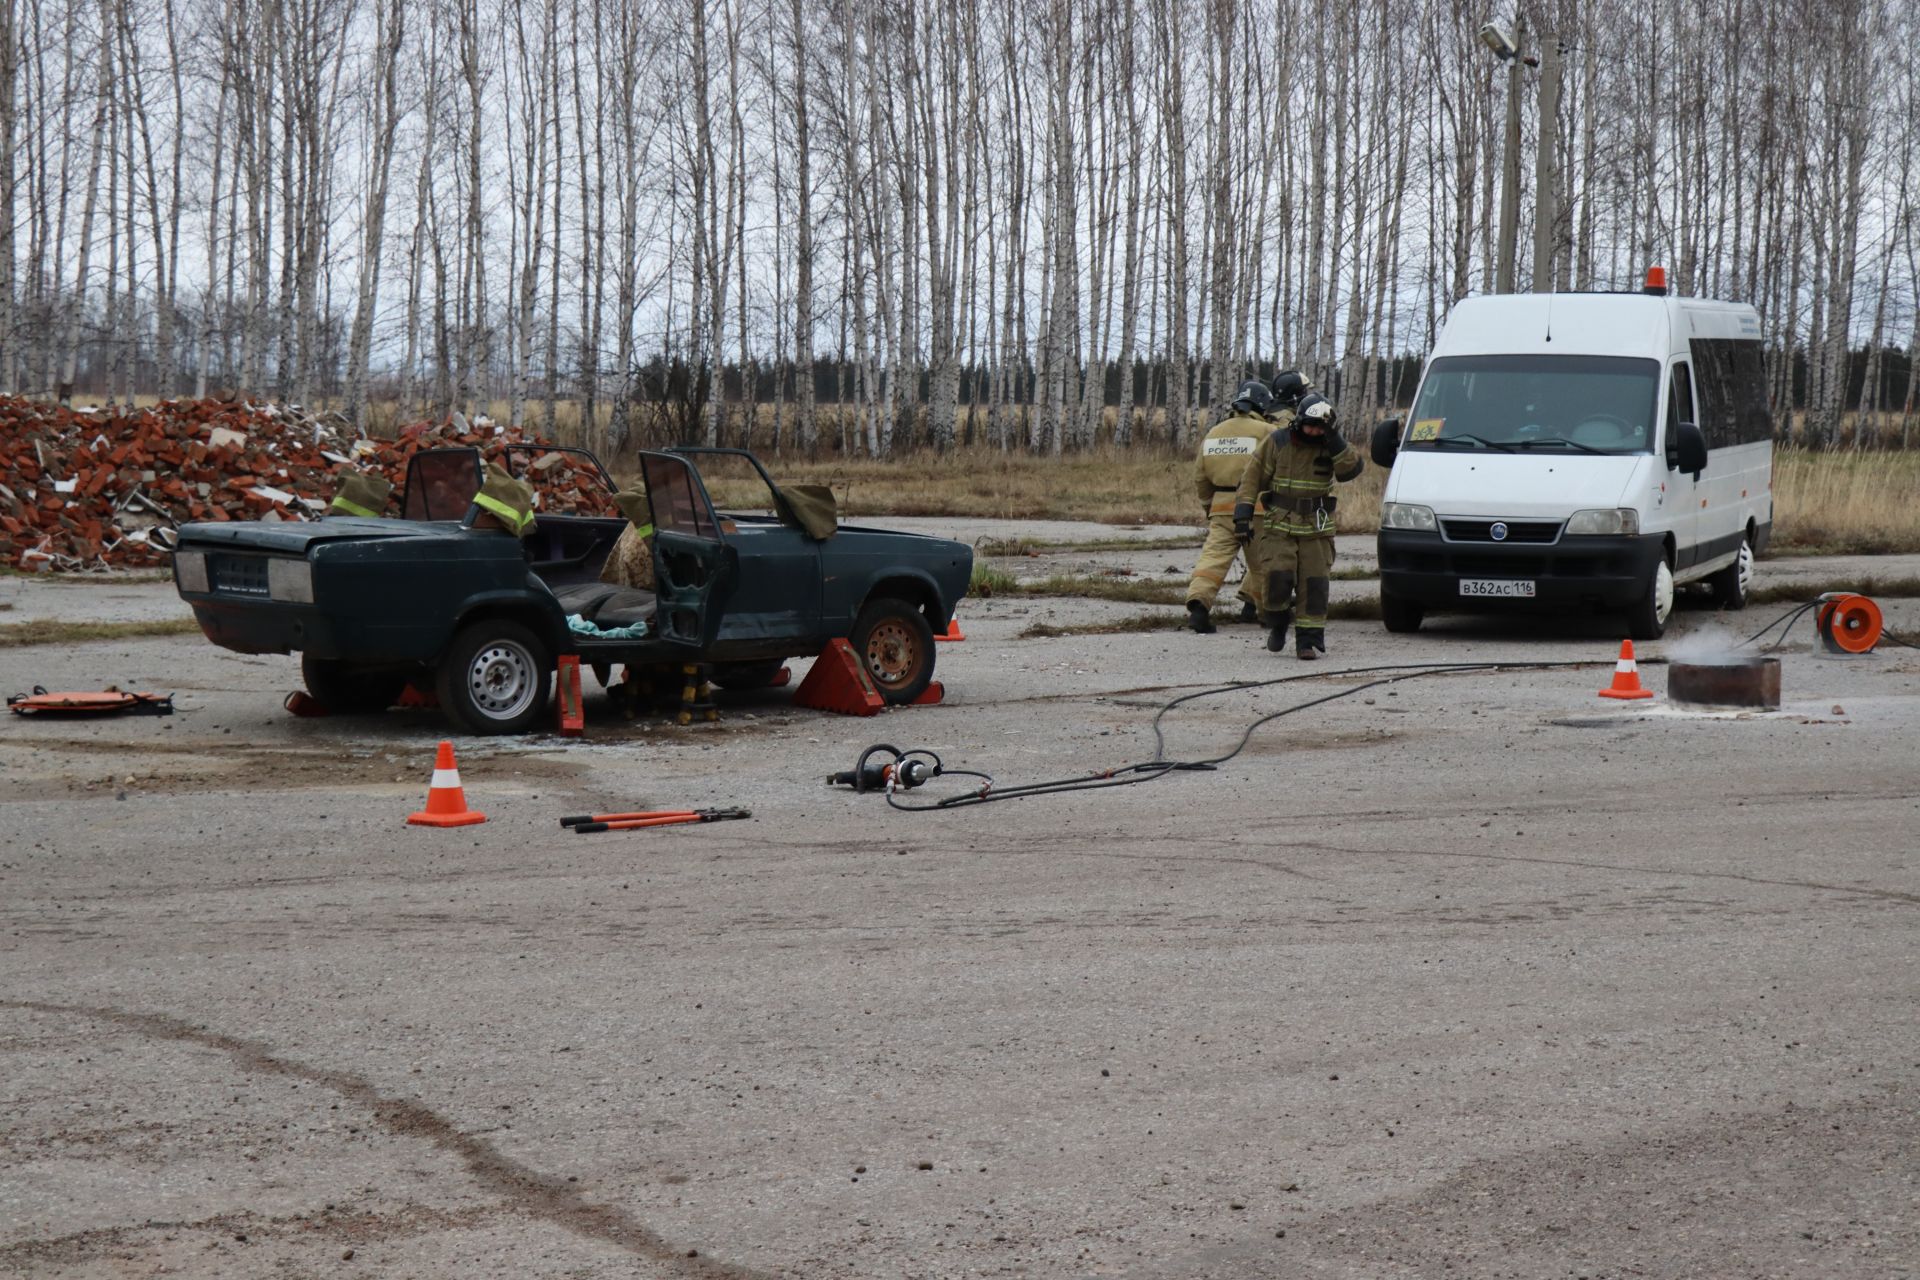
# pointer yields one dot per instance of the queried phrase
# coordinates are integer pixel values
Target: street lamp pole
(1510, 174)
(1546, 176)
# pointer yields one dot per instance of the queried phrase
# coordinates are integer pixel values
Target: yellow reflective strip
(353, 509)
(644, 530)
(515, 521)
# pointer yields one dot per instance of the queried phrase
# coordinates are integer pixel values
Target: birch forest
(875, 225)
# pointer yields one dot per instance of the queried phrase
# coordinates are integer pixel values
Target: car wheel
(894, 641)
(1647, 619)
(1730, 584)
(746, 675)
(349, 690)
(1401, 615)
(495, 677)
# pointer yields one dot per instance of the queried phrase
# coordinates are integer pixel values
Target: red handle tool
(662, 818)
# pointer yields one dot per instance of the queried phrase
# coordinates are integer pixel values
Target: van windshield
(1546, 404)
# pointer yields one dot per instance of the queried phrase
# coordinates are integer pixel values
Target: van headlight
(1404, 515)
(1613, 522)
(290, 581)
(190, 571)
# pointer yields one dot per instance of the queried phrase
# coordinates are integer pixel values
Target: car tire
(349, 690)
(894, 642)
(1731, 584)
(495, 678)
(746, 675)
(1401, 615)
(1647, 618)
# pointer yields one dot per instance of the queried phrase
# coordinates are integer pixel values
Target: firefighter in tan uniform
(1224, 453)
(1294, 472)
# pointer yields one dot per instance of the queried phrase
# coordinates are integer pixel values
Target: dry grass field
(1830, 502)
(1824, 503)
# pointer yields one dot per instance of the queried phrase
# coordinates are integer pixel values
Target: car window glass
(735, 485)
(441, 484)
(1682, 402)
(565, 481)
(678, 504)
(1602, 404)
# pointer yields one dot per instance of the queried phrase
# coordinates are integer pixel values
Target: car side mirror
(1687, 449)
(1386, 443)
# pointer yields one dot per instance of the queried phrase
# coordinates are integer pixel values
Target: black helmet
(1288, 386)
(1252, 397)
(1314, 411)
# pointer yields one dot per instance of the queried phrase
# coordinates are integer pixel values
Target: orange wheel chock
(1848, 623)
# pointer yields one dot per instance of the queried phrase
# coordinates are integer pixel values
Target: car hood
(296, 537)
(1513, 485)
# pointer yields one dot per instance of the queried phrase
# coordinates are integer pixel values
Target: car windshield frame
(1605, 405)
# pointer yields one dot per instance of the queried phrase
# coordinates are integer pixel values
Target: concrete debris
(83, 489)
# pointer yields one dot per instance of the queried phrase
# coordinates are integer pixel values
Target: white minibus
(1579, 451)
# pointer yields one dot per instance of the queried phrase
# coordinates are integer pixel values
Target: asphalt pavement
(1469, 974)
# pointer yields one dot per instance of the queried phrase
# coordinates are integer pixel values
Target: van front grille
(1532, 531)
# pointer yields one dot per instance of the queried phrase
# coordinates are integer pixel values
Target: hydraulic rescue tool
(899, 771)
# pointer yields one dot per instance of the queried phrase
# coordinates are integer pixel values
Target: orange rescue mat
(588, 823)
(90, 702)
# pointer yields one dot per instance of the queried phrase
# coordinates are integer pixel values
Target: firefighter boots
(1198, 618)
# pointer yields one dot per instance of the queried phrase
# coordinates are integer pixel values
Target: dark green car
(371, 605)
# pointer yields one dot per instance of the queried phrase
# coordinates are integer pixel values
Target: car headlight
(190, 571)
(1404, 515)
(1611, 522)
(290, 580)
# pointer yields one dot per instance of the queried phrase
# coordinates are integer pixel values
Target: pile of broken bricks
(83, 489)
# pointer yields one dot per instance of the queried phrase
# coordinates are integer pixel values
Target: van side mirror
(1386, 442)
(1686, 448)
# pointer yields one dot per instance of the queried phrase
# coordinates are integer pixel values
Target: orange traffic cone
(446, 802)
(1626, 676)
(952, 632)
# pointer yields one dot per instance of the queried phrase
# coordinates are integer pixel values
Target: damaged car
(481, 617)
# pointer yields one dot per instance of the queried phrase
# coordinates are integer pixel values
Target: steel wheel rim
(891, 653)
(1744, 563)
(501, 680)
(1662, 592)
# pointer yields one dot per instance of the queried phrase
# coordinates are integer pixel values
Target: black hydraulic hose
(1160, 767)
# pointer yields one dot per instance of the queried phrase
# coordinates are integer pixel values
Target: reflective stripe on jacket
(1297, 478)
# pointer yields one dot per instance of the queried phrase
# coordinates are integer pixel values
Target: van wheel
(894, 641)
(1401, 615)
(1731, 583)
(1647, 620)
(349, 690)
(495, 678)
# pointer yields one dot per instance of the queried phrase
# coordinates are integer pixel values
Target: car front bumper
(1604, 572)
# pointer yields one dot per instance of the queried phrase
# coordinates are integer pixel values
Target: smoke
(1713, 647)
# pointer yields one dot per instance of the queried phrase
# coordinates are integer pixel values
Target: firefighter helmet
(1288, 386)
(1252, 397)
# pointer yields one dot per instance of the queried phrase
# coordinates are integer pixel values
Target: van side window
(1679, 408)
(1732, 377)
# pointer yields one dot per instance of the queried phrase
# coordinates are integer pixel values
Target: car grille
(236, 575)
(1535, 531)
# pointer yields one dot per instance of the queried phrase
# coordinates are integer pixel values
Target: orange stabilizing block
(932, 695)
(839, 683)
(573, 720)
(446, 800)
(1626, 676)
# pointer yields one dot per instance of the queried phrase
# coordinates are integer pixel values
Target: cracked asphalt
(1471, 974)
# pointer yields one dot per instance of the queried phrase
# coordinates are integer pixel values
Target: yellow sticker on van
(1427, 429)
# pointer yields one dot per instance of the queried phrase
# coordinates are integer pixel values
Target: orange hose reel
(1848, 623)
